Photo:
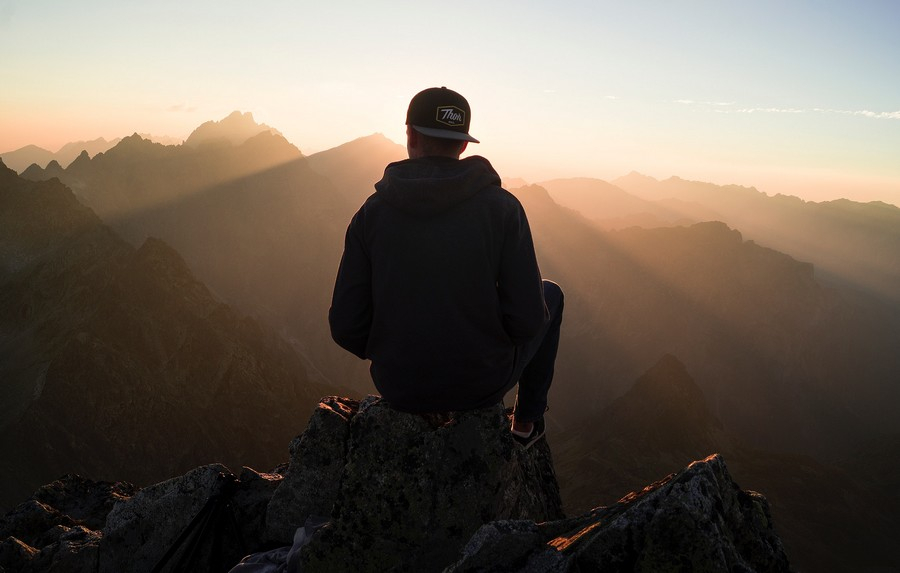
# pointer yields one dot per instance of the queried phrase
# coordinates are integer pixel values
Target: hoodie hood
(430, 185)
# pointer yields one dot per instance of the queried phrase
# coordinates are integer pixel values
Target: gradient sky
(794, 97)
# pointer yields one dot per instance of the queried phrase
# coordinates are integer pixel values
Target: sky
(793, 97)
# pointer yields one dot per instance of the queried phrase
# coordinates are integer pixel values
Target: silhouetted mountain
(35, 173)
(657, 424)
(786, 362)
(234, 130)
(68, 152)
(138, 176)
(852, 244)
(24, 157)
(253, 221)
(117, 362)
(830, 519)
(665, 410)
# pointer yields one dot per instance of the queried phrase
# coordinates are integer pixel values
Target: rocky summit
(697, 520)
(413, 489)
(396, 492)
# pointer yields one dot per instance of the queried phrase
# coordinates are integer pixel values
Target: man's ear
(464, 146)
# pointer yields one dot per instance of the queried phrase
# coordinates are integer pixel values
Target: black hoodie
(437, 285)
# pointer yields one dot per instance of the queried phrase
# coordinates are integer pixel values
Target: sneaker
(537, 432)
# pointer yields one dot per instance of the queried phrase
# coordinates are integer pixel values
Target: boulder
(405, 492)
(203, 520)
(697, 520)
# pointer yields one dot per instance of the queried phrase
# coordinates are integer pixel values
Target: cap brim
(445, 134)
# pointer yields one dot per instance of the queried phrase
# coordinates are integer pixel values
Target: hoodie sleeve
(350, 315)
(519, 284)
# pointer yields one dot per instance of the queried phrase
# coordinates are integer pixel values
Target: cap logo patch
(451, 115)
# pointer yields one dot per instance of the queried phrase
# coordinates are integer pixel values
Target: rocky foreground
(395, 492)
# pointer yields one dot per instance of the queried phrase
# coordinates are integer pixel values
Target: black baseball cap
(441, 113)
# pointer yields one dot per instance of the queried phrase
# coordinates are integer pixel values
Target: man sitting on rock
(439, 285)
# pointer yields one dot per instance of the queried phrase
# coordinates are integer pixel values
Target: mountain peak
(80, 162)
(665, 410)
(234, 129)
(668, 381)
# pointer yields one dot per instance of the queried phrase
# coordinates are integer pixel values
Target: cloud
(722, 105)
(819, 110)
(867, 113)
(712, 103)
(770, 110)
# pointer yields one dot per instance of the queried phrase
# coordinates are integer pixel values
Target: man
(439, 285)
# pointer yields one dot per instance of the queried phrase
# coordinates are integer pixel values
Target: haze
(798, 99)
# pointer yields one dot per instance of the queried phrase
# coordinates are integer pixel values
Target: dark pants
(535, 359)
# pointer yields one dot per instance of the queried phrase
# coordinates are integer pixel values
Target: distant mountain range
(784, 312)
(231, 130)
(262, 225)
(855, 245)
(24, 157)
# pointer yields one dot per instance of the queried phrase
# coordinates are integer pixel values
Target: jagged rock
(57, 529)
(251, 499)
(313, 477)
(16, 555)
(59, 549)
(450, 492)
(141, 531)
(140, 528)
(76, 550)
(405, 492)
(31, 521)
(694, 521)
(86, 501)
